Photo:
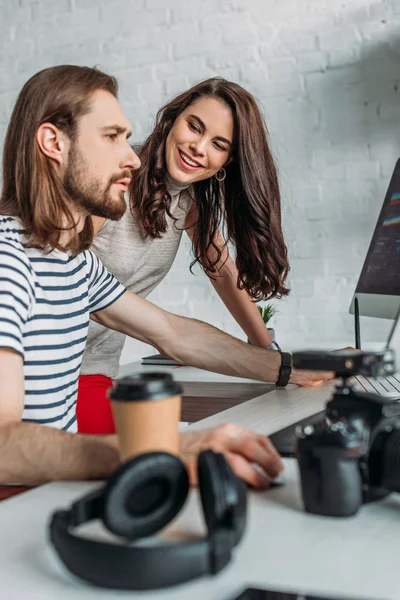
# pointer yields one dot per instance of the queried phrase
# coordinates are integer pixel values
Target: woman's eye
(193, 127)
(112, 136)
(220, 147)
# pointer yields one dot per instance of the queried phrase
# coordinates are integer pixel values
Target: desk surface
(283, 547)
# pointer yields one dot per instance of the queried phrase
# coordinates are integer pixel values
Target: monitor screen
(381, 271)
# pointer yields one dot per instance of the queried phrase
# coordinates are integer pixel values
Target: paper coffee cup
(147, 410)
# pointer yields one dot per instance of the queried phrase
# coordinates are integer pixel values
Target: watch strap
(285, 370)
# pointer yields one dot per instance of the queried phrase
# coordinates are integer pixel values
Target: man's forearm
(32, 454)
(189, 341)
(201, 345)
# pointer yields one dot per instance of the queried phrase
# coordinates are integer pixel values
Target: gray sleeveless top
(139, 263)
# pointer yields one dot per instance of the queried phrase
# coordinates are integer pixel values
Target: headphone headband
(134, 567)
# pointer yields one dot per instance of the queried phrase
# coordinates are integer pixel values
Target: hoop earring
(222, 176)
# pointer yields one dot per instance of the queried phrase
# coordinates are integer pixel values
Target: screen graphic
(381, 271)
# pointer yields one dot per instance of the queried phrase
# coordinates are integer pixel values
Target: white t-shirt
(45, 303)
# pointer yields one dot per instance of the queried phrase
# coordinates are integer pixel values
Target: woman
(206, 164)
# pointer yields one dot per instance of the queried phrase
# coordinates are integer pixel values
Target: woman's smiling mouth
(187, 162)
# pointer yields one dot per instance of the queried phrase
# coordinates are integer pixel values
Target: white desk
(283, 548)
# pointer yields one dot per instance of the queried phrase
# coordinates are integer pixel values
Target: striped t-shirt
(45, 302)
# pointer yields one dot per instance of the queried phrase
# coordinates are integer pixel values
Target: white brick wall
(328, 76)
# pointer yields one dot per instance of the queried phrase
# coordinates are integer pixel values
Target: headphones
(140, 498)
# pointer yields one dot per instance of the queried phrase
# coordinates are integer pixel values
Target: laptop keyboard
(384, 386)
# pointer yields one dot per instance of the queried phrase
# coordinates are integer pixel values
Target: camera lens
(384, 461)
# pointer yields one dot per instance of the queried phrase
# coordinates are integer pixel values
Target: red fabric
(93, 409)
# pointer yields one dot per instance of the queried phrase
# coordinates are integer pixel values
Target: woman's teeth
(187, 160)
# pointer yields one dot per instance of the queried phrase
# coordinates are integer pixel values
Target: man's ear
(53, 143)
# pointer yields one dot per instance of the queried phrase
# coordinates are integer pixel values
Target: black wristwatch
(285, 369)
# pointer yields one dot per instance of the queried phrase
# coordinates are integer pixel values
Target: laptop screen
(380, 273)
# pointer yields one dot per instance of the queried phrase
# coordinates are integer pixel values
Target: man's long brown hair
(248, 201)
(32, 188)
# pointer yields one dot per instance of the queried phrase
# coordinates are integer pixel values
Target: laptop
(388, 386)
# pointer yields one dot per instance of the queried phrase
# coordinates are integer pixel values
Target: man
(67, 156)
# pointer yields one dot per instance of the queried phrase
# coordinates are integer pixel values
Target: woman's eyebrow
(204, 128)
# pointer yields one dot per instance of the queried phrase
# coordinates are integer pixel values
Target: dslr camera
(352, 456)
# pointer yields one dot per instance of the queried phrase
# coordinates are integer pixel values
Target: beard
(89, 193)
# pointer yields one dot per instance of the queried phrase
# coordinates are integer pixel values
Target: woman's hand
(252, 456)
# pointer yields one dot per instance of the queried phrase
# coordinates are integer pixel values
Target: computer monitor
(394, 339)
(378, 288)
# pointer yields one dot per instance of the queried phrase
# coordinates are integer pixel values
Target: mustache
(125, 174)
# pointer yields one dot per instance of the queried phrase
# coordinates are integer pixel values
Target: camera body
(353, 455)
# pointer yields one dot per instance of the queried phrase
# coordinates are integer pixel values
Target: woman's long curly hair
(247, 201)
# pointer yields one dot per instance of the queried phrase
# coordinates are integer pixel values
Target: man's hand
(251, 456)
(305, 378)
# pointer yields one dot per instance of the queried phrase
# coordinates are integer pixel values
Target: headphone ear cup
(145, 494)
(239, 510)
(223, 495)
(212, 491)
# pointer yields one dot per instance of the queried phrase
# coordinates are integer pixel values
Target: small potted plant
(267, 312)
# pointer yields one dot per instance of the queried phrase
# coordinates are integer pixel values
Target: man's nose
(132, 161)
